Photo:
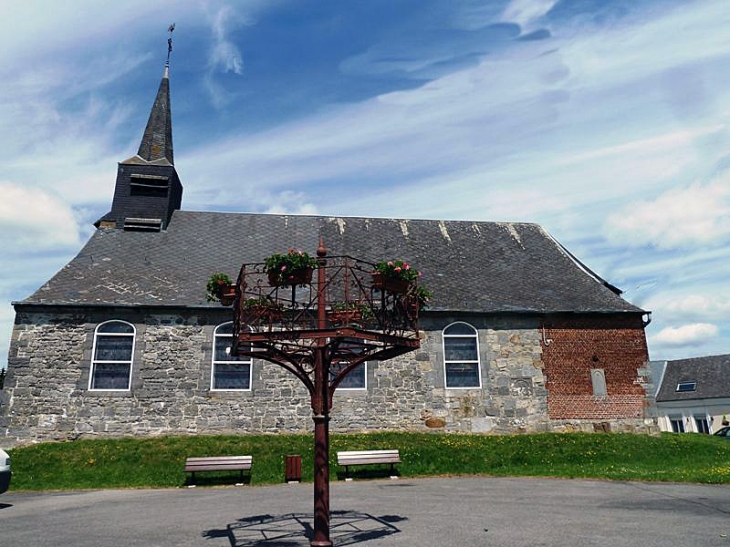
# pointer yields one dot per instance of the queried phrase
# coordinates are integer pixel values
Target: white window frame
(477, 362)
(95, 361)
(214, 362)
(365, 366)
(706, 419)
(679, 419)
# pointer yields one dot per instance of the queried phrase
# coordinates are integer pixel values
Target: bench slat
(363, 461)
(366, 452)
(365, 457)
(220, 463)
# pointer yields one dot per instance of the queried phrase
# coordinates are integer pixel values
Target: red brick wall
(616, 344)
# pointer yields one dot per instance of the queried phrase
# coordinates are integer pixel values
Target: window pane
(459, 328)
(460, 349)
(110, 376)
(113, 348)
(677, 425)
(222, 348)
(462, 375)
(355, 378)
(117, 327)
(231, 376)
(225, 329)
(702, 425)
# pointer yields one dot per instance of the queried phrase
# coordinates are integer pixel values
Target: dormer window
(683, 387)
(149, 185)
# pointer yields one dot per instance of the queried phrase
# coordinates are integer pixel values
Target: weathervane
(169, 43)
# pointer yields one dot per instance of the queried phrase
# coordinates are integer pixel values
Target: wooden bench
(367, 457)
(219, 463)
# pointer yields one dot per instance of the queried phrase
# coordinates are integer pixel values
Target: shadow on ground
(295, 529)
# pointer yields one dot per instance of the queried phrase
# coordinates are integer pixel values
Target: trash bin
(293, 468)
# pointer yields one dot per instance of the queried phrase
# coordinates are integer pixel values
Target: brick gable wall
(572, 346)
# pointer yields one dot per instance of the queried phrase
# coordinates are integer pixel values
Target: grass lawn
(159, 462)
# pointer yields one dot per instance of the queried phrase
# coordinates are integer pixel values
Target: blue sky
(604, 121)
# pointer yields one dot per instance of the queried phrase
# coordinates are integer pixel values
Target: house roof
(470, 266)
(711, 373)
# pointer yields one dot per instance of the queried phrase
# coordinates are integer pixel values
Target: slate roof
(470, 266)
(712, 374)
(156, 144)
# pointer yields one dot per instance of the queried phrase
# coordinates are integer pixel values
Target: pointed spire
(157, 139)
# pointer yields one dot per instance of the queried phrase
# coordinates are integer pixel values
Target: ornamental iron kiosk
(320, 331)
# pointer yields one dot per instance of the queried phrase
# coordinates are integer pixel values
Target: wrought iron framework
(320, 330)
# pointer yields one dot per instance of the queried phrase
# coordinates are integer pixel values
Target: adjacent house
(520, 335)
(693, 394)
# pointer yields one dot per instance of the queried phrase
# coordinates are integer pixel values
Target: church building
(520, 336)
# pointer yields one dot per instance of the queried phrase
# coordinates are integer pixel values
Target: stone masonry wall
(46, 394)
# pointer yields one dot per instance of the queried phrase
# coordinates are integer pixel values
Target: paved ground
(403, 512)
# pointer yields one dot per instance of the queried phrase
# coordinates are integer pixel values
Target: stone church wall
(46, 393)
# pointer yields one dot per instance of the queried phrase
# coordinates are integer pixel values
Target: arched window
(357, 377)
(461, 356)
(229, 373)
(111, 356)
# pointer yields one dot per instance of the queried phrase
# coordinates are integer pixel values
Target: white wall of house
(691, 413)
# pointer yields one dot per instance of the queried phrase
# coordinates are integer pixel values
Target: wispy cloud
(526, 12)
(224, 56)
(680, 217)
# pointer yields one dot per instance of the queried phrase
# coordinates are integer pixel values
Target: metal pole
(320, 407)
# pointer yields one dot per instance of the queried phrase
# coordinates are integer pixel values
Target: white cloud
(525, 12)
(33, 220)
(224, 55)
(715, 307)
(694, 334)
(697, 215)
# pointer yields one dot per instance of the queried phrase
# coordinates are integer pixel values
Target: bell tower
(148, 189)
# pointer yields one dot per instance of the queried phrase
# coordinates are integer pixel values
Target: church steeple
(157, 139)
(148, 190)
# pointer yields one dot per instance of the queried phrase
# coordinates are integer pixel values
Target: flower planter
(227, 295)
(295, 277)
(342, 317)
(266, 314)
(391, 284)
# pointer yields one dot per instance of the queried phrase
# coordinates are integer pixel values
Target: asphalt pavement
(475, 511)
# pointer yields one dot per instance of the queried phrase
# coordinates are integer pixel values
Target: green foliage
(217, 282)
(159, 462)
(364, 309)
(262, 302)
(397, 269)
(421, 295)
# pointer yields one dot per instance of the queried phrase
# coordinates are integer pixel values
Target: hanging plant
(219, 286)
(394, 276)
(293, 268)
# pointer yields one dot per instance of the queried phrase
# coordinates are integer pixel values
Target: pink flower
(397, 269)
(406, 266)
(283, 268)
(390, 263)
